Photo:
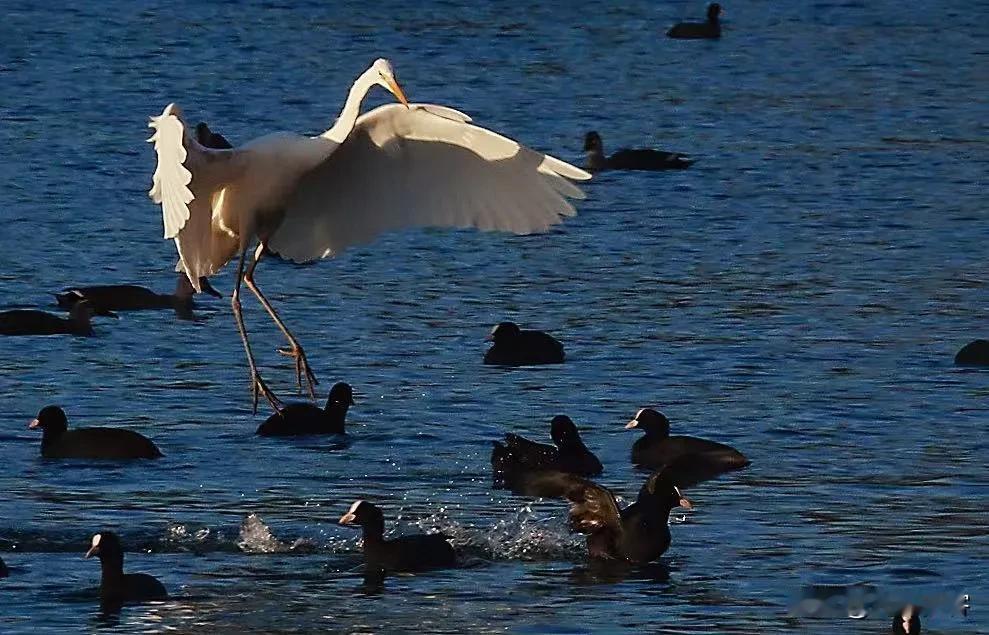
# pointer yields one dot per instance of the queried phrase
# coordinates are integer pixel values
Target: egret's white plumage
(405, 167)
(309, 197)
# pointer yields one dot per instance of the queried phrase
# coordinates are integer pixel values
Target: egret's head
(386, 78)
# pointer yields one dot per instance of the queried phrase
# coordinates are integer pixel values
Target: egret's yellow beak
(397, 91)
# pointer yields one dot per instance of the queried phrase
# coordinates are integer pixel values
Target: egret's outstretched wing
(424, 166)
(188, 184)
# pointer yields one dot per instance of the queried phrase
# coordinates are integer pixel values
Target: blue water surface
(799, 293)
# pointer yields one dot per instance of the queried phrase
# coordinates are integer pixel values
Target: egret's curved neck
(348, 116)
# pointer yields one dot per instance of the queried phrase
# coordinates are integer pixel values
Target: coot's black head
(210, 139)
(651, 422)
(907, 621)
(713, 11)
(504, 331)
(106, 546)
(592, 141)
(203, 132)
(341, 395)
(661, 489)
(51, 420)
(563, 430)
(363, 514)
(83, 310)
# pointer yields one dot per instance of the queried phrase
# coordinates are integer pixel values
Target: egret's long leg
(257, 383)
(295, 351)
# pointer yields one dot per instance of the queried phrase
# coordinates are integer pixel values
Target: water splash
(524, 536)
(256, 537)
(181, 533)
(182, 537)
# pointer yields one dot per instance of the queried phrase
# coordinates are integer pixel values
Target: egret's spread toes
(259, 387)
(301, 368)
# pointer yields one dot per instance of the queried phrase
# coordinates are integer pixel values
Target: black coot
(58, 442)
(696, 459)
(304, 418)
(639, 533)
(128, 297)
(626, 159)
(115, 585)
(406, 553)
(907, 621)
(515, 347)
(3, 569)
(710, 30)
(975, 353)
(518, 455)
(32, 322)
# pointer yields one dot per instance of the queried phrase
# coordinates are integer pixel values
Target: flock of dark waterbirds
(638, 533)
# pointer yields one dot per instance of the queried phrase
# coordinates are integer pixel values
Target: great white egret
(305, 198)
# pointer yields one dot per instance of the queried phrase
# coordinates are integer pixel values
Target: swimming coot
(405, 553)
(907, 621)
(304, 418)
(58, 442)
(639, 533)
(3, 569)
(115, 585)
(127, 297)
(710, 30)
(703, 459)
(625, 159)
(32, 322)
(570, 454)
(975, 353)
(515, 347)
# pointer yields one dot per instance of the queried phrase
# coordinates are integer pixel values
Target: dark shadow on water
(373, 582)
(373, 579)
(313, 442)
(613, 572)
